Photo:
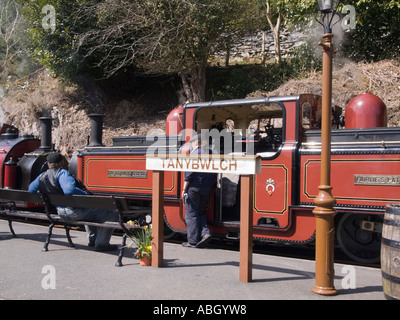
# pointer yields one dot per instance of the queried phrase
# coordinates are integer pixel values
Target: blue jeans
(196, 221)
(97, 236)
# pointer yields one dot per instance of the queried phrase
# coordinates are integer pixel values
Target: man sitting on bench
(59, 181)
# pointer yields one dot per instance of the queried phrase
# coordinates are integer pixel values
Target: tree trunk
(275, 31)
(263, 52)
(277, 43)
(194, 83)
(228, 50)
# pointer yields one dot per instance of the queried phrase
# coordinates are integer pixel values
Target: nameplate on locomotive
(376, 180)
(138, 174)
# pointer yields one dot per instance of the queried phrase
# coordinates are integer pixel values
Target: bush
(236, 82)
(304, 59)
(376, 36)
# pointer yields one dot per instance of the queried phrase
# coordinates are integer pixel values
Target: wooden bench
(10, 211)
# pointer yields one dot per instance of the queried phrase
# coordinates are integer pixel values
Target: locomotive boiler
(285, 133)
(23, 157)
(13, 148)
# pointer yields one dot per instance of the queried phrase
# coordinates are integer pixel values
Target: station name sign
(238, 164)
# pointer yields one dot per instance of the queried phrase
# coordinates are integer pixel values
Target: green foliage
(238, 81)
(304, 59)
(14, 59)
(160, 36)
(142, 239)
(55, 50)
(377, 31)
(105, 38)
(292, 11)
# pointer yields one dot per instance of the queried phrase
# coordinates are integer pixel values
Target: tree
(54, 49)
(104, 38)
(281, 13)
(275, 28)
(376, 36)
(10, 35)
(160, 36)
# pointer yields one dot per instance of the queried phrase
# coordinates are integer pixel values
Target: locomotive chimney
(45, 142)
(96, 130)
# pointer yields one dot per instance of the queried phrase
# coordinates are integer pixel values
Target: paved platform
(198, 274)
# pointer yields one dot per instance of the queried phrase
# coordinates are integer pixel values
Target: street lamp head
(328, 10)
(327, 6)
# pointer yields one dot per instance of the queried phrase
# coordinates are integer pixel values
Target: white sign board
(238, 164)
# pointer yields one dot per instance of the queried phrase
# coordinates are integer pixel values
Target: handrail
(360, 143)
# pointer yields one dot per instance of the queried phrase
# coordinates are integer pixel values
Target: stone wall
(249, 47)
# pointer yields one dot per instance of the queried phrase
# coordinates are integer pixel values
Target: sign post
(157, 243)
(246, 166)
(246, 229)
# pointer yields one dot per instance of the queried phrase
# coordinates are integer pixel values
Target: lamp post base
(324, 291)
(324, 242)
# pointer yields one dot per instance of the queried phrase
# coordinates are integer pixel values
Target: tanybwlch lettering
(216, 164)
(202, 164)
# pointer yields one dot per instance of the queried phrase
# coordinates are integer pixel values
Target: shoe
(204, 241)
(107, 247)
(92, 241)
(188, 245)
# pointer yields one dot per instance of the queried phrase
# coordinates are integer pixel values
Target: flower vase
(145, 261)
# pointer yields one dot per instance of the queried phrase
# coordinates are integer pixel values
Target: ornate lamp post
(324, 212)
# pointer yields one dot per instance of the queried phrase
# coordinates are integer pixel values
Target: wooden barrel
(390, 252)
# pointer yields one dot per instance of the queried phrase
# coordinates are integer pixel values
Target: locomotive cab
(248, 129)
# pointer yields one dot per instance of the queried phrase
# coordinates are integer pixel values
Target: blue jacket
(66, 181)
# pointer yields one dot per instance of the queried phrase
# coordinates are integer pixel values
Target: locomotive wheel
(360, 245)
(168, 233)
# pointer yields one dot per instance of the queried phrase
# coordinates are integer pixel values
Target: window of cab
(243, 129)
(311, 111)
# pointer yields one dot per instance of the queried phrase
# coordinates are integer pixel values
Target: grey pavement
(195, 274)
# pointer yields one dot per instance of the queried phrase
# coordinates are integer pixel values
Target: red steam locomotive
(284, 132)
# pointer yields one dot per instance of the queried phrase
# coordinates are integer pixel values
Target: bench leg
(67, 230)
(11, 228)
(49, 233)
(121, 252)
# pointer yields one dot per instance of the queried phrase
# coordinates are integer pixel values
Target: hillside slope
(381, 79)
(69, 106)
